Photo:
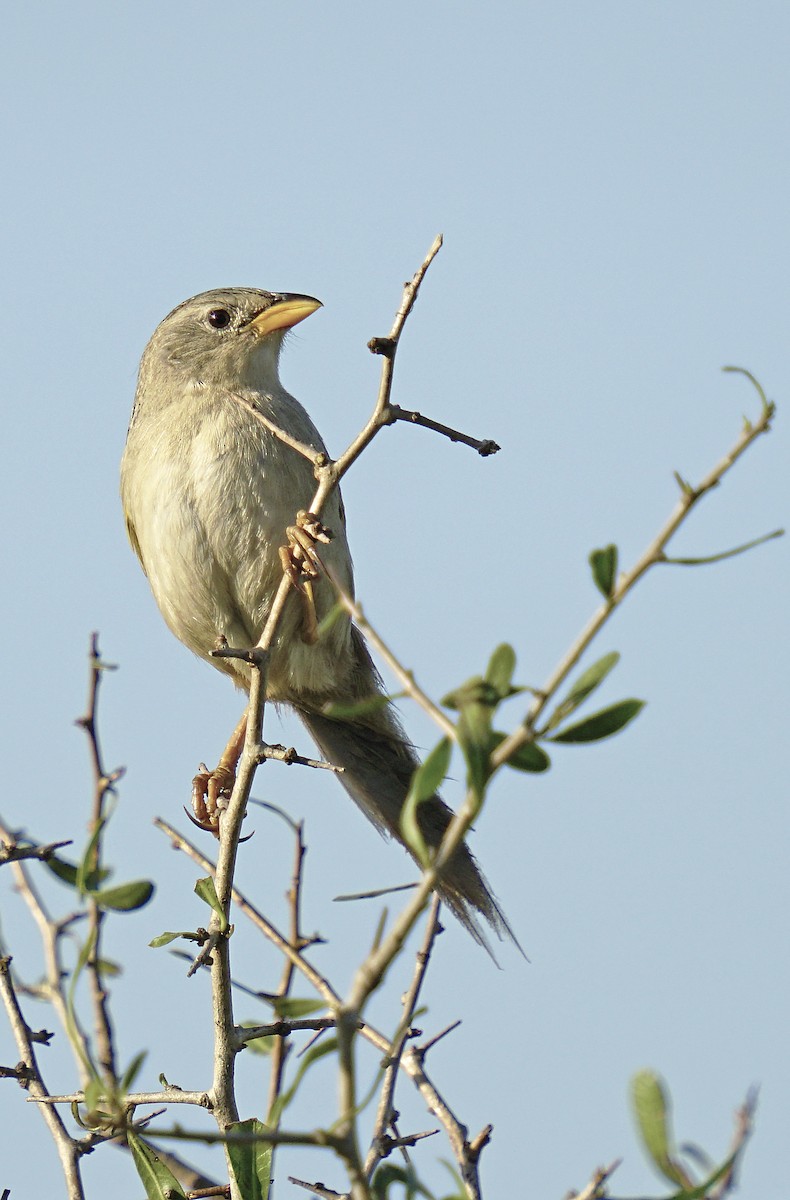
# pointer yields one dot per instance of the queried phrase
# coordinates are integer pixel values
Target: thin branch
(282, 1029)
(281, 1046)
(406, 678)
(386, 1108)
(51, 933)
(288, 755)
(484, 448)
(67, 1148)
(319, 1189)
(17, 850)
(171, 1095)
(103, 787)
(596, 1188)
(321, 985)
(744, 1123)
(651, 556)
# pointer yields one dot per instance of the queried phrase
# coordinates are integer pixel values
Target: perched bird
(208, 492)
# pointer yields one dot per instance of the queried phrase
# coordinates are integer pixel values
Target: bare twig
(68, 1149)
(171, 1095)
(596, 1188)
(406, 678)
(319, 1189)
(384, 1115)
(281, 1045)
(17, 850)
(484, 448)
(51, 933)
(744, 1119)
(103, 787)
(288, 755)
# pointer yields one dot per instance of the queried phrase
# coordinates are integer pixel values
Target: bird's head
(229, 336)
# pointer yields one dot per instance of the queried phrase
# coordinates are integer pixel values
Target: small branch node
(385, 346)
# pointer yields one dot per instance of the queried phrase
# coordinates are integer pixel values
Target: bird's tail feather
(378, 763)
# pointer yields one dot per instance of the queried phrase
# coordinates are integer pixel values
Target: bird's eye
(219, 318)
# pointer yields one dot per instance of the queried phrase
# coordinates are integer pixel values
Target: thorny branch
(103, 787)
(69, 1150)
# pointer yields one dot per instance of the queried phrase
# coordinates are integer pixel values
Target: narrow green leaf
(601, 724)
(529, 757)
(158, 1180)
(361, 708)
(68, 872)
(390, 1174)
(206, 890)
(126, 897)
(260, 1045)
(425, 781)
(164, 939)
(499, 672)
(703, 560)
(108, 968)
(327, 1046)
(604, 569)
(251, 1162)
(291, 1008)
(587, 682)
(95, 1093)
(651, 1108)
(332, 617)
(475, 691)
(132, 1071)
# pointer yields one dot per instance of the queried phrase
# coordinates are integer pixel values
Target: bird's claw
(210, 794)
(301, 563)
(300, 558)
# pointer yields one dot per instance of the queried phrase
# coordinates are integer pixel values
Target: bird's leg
(211, 789)
(301, 564)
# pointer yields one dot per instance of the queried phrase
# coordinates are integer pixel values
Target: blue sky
(611, 181)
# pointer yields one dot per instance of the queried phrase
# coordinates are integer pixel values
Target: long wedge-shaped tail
(378, 762)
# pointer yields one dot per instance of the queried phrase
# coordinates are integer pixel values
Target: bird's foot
(210, 794)
(301, 563)
(300, 558)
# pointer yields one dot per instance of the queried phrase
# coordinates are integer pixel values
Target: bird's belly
(211, 551)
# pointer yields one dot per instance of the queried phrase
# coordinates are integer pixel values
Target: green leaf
(475, 691)
(164, 939)
(499, 672)
(132, 1071)
(108, 968)
(68, 872)
(601, 724)
(425, 781)
(260, 1045)
(604, 569)
(361, 708)
(529, 757)
(291, 1008)
(587, 682)
(651, 1108)
(95, 1093)
(158, 1180)
(90, 858)
(316, 1052)
(206, 890)
(389, 1174)
(251, 1162)
(332, 617)
(126, 897)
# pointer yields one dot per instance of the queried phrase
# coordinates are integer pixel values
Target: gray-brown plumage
(208, 493)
